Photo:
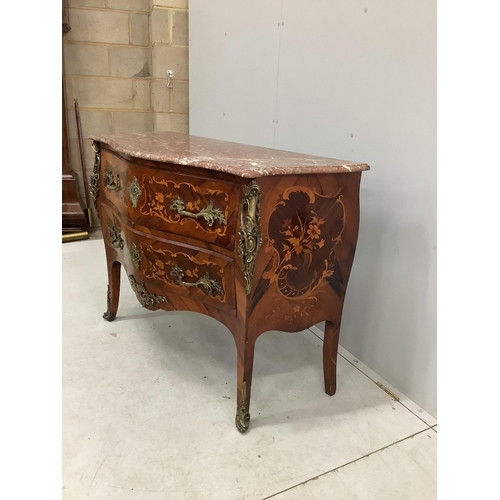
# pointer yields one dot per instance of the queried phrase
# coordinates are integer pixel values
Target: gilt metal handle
(206, 282)
(209, 213)
(115, 236)
(112, 183)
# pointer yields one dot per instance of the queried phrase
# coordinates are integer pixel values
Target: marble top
(230, 157)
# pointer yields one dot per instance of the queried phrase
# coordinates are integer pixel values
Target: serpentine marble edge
(229, 157)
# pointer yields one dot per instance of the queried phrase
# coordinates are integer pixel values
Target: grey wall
(354, 80)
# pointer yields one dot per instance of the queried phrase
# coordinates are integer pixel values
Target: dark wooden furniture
(256, 238)
(65, 17)
(73, 217)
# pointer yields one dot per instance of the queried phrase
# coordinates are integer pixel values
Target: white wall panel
(354, 80)
(233, 66)
(361, 86)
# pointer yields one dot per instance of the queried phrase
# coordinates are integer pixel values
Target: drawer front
(169, 266)
(197, 207)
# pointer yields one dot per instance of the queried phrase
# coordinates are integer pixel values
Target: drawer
(162, 199)
(171, 267)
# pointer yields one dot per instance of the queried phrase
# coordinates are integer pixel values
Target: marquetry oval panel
(303, 230)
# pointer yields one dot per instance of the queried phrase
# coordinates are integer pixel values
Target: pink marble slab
(230, 157)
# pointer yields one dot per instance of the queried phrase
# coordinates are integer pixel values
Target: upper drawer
(194, 206)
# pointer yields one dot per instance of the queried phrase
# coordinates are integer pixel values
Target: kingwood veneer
(256, 238)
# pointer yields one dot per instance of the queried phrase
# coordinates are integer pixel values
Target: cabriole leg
(244, 385)
(330, 348)
(113, 290)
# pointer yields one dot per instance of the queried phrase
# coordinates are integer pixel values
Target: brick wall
(115, 62)
(169, 41)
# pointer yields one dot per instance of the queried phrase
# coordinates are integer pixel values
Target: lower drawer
(171, 267)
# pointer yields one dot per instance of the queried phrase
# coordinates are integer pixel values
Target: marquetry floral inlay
(303, 231)
(186, 203)
(302, 237)
(179, 269)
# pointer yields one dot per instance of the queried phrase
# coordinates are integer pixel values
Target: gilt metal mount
(250, 233)
(242, 419)
(94, 178)
(146, 299)
(107, 315)
(111, 181)
(115, 237)
(134, 190)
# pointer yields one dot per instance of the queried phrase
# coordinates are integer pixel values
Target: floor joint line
(348, 463)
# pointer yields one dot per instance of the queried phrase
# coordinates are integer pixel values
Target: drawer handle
(210, 214)
(210, 285)
(112, 183)
(115, 237)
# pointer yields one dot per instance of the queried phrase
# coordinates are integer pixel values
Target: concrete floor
(149, 405)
